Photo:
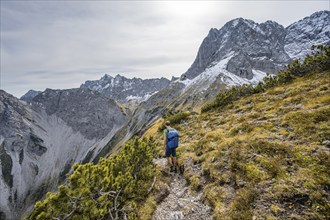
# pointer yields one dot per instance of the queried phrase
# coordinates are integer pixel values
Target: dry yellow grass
(263, 155)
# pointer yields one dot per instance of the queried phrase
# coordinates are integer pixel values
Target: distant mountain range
(119, 88)
(42, 137)
(123, 89)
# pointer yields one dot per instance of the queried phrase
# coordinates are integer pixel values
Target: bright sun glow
(188, 8)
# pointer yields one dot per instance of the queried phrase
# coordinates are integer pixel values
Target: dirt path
(181, 203)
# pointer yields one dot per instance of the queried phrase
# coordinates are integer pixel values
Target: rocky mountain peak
(118, 76)
(265, 47)
(30, 95)
(123, 89)
(11, 109)
(268, 26)
(105, 77)
(312, 30)
(10, 99)
(317, 17)
(213, 34)
(253, 44)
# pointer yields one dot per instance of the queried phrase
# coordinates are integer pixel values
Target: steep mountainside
(40, 143)
(249, 46)
(86, 111)
(241, 52)
(123, 89)
(310, 30)
(265, 156)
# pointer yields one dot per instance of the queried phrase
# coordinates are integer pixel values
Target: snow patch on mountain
(206, 78)
(132, 97)
(258, 76)
(231, 79)
(235, 22)
(140, 98)
(312, 30)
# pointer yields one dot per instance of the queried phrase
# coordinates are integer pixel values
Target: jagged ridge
(123, 89)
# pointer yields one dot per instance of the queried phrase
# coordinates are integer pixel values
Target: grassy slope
(263, 156)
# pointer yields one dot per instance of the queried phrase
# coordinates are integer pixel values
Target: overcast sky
(61, 44)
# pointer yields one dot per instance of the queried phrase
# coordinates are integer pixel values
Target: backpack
(172, 138)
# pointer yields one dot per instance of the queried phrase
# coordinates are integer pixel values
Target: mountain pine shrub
(174, 119)
(111, 189)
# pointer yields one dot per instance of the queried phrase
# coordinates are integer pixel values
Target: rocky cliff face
(85, 111)
(252, 47)
(312, 30)
(123, 89)
(30, 95)
(40, 142)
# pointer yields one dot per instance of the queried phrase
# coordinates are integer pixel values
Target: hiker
(171, 141)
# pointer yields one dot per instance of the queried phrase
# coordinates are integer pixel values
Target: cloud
(60, 44)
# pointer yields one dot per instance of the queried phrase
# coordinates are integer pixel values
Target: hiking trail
(180, 203)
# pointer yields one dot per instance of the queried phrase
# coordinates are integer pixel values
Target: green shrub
(113, 188)
(174, 119)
